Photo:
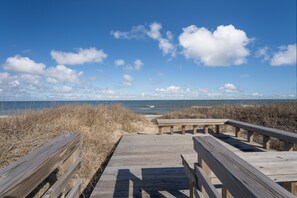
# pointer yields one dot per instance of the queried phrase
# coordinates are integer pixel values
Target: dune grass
(280, 116)
(101, 127)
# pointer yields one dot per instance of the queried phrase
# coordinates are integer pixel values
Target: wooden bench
(238, 177)
(289, 138)
(21, 177)
(189, 122)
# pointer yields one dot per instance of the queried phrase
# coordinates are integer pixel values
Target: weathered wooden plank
(206, 183)
(217, 128)
(171, 130)
(250, 136)
(16, 179)
(239, 177)
(191, 176)
(188, 122)
(75, 191)
(276, 133)
(236, 131)
(266, 142)
(59, 185)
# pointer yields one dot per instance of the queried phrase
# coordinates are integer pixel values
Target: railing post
(250, 136)
(171, 130)
(236, 131)
(160, 130)
(206, 129)
(194, 129)
(183, 129)
(217, 129)
(266, 142)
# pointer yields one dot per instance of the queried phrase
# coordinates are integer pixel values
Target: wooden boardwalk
(151, 166)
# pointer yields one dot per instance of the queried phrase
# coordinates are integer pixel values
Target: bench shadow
(153, 182)
(237, 143)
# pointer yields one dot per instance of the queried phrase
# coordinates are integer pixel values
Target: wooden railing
(23, 176)
(239, 178)
(289, 138)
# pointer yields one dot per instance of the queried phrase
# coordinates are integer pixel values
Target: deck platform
(151, 166)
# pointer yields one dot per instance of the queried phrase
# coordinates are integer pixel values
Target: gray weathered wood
(16, 180)
(276, 133)
(206, 183)
(236, 131)
(191, 175)
(59, 185)
(75, 191)
(266, 141)
(190, 122)
(217, 128)
(171, 130)
(250, 136)
(238, 176)
(183, 129)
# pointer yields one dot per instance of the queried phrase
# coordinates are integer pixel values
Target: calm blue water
(139, 106)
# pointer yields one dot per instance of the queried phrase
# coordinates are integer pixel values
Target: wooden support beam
(171, 130)
(236, 131)
(207, 172)
(250, 136)
(266, 142)
(226, 193)
(206, 129)
(160, 130)
(183, 129)
(194, 129)
(217, 129)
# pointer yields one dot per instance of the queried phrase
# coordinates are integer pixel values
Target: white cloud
(128, 80)
(204, 90)
(285, 56)
(137, 32)
(30, 79)
(24, 65)
(140, 32)
(138, 64)
(175, 91)
(257, 94)
(164, 43)
(119, 62)
(60, 73)
(225, 46)
(80, 57)
(228, 87)
(63, 89)
(263, 52)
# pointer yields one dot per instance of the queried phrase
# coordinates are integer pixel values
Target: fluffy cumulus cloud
(229, 88)
(128, 80)
(285, 56)
(175, 91)
(119, 62)
(263, 52)
(60, 73)
(24, 65)
(80, 57)
(223, 47)
(136, 65)
(154, 32)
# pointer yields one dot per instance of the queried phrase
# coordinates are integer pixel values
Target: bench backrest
(23, 176)
(237, 176)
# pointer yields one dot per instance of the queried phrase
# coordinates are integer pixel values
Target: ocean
(138, 106)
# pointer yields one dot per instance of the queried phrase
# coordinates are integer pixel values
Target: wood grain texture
(59, 185)
(205, 182)
(276, 133)
(187, 122)
(238, 176)
(24, 175)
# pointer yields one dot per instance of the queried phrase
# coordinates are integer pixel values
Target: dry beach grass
(102, 126)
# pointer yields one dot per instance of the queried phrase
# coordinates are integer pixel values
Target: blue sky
(194, 49)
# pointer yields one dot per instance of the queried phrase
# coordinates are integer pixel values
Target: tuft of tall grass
(100, 126)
